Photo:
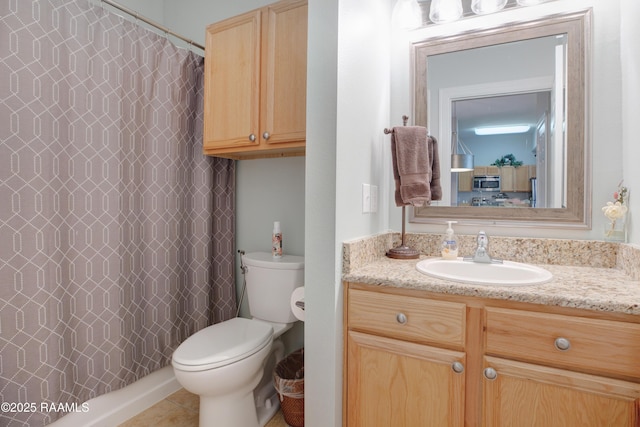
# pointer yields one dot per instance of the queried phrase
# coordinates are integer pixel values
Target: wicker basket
(288, 377)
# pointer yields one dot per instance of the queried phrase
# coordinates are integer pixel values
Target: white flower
(614, 211)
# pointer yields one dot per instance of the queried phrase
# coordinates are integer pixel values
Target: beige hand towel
(411, 161)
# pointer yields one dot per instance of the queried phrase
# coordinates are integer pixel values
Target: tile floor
(179, 410)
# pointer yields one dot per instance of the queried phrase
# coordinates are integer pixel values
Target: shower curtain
(116, 233)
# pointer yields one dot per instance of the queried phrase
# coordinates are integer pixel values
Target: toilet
(230, 364)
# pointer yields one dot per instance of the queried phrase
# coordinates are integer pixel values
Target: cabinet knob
(252, 137)
(562, 344)
(457, 367)
(490, 374)
(401, 318)
(266, 135)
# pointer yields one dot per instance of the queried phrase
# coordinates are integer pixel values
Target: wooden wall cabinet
(255, 83)
(450, 361)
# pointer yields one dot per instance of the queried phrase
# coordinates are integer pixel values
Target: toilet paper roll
(296, 296)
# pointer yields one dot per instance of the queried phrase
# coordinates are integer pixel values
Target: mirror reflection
(513, 97)
(502, 116)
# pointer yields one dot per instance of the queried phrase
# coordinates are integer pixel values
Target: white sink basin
(506, 274)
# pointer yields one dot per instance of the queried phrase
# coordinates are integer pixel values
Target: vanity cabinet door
(395, 383)
(527, 395)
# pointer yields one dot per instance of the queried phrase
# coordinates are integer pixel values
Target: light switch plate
(374, 199)
(366, 198)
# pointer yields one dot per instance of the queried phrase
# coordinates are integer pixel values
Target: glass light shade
(461, 162)
(406, 15)
(529, 2)
(443, 11)
(484, 7)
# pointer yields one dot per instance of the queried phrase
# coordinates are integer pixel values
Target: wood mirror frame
(577, 212)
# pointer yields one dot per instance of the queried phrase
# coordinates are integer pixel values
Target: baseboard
(114, 408)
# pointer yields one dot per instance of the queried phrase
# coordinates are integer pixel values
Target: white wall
(322, 316)
(630, 54)
(348, 108)
(606, 95)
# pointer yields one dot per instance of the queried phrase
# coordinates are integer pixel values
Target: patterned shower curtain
(116, 233)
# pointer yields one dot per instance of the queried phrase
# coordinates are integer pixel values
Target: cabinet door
(480, 170)
(465, 181)
(522, 178)
(527, 395)
(507, 178)
(486, 170)
(284, 79)
(493, 170)
(232, 82)
(394, 383)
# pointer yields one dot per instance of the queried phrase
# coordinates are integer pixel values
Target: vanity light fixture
(501, 130)
(484, 7)
(443, 11)
(406, 14)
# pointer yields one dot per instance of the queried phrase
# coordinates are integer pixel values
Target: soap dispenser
(450, 243)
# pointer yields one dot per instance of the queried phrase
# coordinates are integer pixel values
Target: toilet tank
(270, 283)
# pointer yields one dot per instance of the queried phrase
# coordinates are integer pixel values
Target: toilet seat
(222, 344)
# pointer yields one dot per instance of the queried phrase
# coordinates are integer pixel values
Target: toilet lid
(223, 343)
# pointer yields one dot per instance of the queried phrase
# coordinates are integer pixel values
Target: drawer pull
(252, 137)
(457, 367)
(490, 374)
(401, 318)
(266, 135)
(562, 344)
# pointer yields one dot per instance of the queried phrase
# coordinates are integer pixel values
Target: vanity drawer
(577, 343)
(407, 318)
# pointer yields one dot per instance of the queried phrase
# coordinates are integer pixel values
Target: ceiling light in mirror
(502, 130)
(443, 11)
(483, 7)
(406, 15)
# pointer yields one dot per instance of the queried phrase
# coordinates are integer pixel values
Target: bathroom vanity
(425, 351)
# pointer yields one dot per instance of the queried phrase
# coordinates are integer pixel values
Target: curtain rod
(160, 27)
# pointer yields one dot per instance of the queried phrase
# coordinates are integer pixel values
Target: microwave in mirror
(486, 183)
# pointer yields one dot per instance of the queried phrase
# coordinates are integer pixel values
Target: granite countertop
(606, 289)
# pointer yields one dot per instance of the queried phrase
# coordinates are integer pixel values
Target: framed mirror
(533, 74)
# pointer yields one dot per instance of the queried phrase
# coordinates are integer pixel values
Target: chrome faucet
(482, 251)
